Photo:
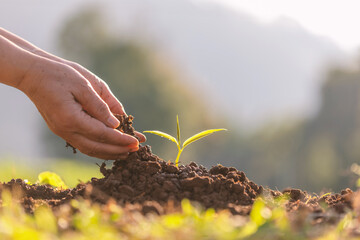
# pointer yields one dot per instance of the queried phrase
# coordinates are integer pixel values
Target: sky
(336, 19)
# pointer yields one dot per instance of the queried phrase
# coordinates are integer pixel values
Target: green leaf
(178, 129)
(201, 135)
(52, 179)
(164, 135)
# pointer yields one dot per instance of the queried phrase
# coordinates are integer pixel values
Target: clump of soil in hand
(126, 124)
(124, 127)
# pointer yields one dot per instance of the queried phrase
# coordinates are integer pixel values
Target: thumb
(92, 103)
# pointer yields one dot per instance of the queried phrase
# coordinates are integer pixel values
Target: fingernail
(141, 137)
(113, 122)
(134, 145)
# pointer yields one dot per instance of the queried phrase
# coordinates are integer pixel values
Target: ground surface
(149, 185)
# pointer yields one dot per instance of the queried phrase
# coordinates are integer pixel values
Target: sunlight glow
(335, 19)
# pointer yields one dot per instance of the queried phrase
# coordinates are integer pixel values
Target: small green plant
(187, 141)
(52, 179)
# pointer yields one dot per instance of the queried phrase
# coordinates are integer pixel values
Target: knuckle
(92, 150)
(102, 109)
(85, 89)
(97, 80)
(102, 135)
(73, 64)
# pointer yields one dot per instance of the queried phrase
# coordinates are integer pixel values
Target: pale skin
(76, 104)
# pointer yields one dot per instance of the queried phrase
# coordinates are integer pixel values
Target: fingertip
(132, 141)
(133, 145)
(134, 149)
(113, 103)
(141, 136)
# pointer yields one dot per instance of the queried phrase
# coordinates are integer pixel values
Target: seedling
(52, 179)
(187, 141)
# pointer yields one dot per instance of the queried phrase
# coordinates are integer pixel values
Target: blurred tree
(147, 85)
(333, 135)
(315, 153)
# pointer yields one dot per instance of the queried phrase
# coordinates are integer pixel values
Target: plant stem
(178, 156)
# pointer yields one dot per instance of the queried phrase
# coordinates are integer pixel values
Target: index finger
(97, 131)
(101, 88)
(113, 103)
(141, 136)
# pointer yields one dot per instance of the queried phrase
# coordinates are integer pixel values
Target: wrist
(16, 61)
(33, 75)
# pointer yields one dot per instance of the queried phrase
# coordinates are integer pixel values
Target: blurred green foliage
(318, 152)
(86, 220)
(313, 154)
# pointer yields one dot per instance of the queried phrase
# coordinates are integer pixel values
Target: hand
(78, 106)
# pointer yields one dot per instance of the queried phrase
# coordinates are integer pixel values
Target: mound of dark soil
(145, 179)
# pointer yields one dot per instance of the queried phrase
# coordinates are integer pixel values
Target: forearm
(28, 46)
(15, 62)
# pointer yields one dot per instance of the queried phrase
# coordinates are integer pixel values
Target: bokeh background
(282, 76)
